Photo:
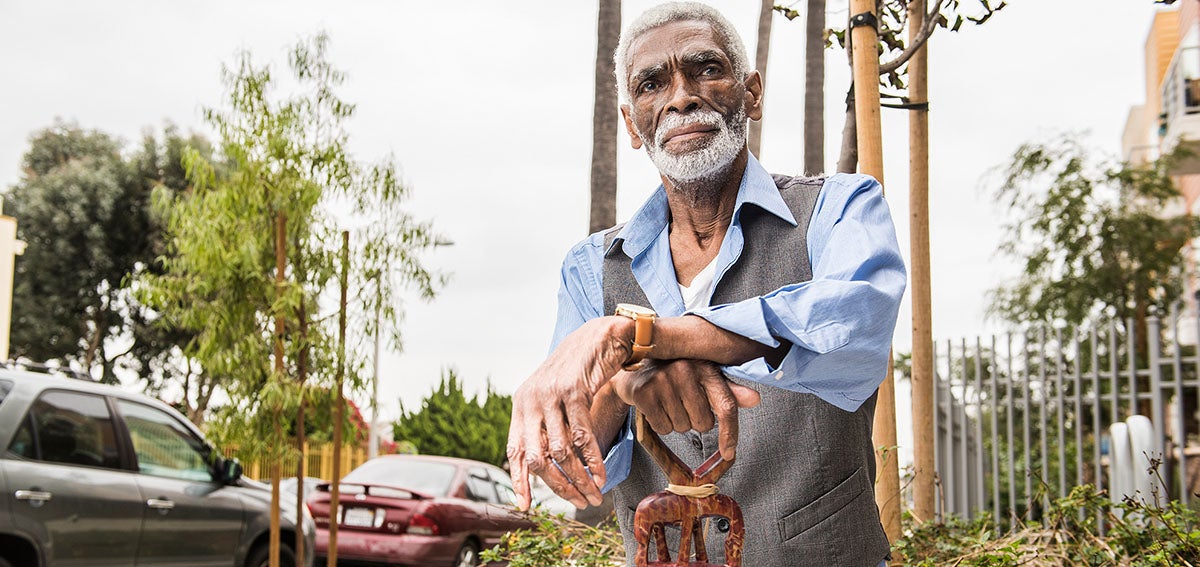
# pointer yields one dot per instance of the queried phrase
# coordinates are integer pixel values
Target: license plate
(359, 517)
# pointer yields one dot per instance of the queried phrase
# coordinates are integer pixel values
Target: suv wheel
(260, 556)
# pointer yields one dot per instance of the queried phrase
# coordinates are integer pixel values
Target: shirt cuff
(620, 457)
(745, 318)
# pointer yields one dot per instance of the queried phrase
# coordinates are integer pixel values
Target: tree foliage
(895, 50)
(450, 424)
(83, 208)
(285, 159)
(1091, 235)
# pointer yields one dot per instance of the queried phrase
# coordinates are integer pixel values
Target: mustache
(706, 117)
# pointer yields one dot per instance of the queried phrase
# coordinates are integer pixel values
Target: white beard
(704, 163)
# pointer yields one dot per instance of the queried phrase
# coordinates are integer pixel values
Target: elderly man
(729, 288)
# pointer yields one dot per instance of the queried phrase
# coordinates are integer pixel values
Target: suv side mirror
(230, 470)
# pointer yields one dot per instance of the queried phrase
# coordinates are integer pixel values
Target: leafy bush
(1137, 535)
(555, 541)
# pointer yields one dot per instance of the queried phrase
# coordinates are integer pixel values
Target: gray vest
(805, 470)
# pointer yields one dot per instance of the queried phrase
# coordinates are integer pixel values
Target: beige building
(1170, 118)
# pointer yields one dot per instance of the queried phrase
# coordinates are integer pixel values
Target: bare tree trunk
(766, 10)
(604, 120)
(848, 160)
(814, 88)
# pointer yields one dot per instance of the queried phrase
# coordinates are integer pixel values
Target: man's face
(686, 104)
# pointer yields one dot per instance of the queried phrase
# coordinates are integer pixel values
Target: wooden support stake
(864, 39)
(339, 410)
(922, 312)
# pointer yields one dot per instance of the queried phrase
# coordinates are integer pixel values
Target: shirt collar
(757, 187)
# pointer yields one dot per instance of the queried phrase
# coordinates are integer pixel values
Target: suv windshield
(427, 477)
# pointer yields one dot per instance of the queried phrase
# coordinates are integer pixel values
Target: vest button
(696, 442)
(723, 525)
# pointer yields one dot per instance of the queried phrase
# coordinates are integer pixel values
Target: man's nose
(683, 96)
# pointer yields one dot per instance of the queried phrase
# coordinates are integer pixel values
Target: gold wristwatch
(643, 334)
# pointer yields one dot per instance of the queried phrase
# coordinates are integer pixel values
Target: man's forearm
(692, 337)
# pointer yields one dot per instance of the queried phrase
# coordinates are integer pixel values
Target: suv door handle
(34, 497)
(162, 505)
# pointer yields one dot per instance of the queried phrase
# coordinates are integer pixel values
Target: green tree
(83, 208)
(450, 424)
(1091, 237)
(253, 247)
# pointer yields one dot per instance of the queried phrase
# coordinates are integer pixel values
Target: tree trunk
(339, 403)
(280, 269)
(604, 120)
(814, 88)
(766, 10)
(301, 377)
(848, 160)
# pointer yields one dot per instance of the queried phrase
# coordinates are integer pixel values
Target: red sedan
(417, 510)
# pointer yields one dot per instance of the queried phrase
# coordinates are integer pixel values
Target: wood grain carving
(661, 509)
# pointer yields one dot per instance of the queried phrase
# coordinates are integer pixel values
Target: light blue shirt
(839, 324)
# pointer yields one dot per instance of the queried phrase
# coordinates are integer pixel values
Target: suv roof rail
(44, 368)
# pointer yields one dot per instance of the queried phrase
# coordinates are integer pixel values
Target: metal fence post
(964, 470)
(995, 436)
(1062, 414)
(981, 492)
(1181, 419)
(1025, 408)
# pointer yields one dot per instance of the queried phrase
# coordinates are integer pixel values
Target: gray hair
(664, 14)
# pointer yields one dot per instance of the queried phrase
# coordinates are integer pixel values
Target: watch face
(634, 310)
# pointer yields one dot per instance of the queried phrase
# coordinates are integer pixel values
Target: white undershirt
(697, 295)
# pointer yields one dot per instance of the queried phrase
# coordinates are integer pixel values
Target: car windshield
(428, 477)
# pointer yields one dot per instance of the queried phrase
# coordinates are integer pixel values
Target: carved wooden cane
(690, 497)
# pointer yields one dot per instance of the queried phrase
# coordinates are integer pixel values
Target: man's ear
(634, 139)
(754, 95)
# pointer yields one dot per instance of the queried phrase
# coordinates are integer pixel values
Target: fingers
(746, 397)
(724, 407)
(516, 462)
(694, 398)
(561, 469)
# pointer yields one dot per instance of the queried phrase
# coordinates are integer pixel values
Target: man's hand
(682, 395)
(552, 434)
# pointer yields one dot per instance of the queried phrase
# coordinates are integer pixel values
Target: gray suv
(93, 475)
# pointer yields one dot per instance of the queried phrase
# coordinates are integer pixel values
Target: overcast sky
(487, 107)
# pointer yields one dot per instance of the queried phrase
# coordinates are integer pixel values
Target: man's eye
(710, 70)
(647, 86)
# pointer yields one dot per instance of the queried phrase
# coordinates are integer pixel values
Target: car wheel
(468, 555)
(261, 556)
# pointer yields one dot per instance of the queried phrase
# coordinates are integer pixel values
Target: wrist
(641, 347)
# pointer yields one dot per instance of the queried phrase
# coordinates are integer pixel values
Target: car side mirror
(230, 471)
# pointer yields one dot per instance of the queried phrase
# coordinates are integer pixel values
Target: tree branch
(926, 30)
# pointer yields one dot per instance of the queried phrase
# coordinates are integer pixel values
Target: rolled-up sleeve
(840, 323)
